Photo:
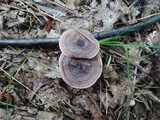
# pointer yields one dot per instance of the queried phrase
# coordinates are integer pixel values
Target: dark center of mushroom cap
(81, 42)
(79, 68)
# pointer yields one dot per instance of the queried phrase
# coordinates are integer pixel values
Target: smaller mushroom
(78, 44)
(80, 73)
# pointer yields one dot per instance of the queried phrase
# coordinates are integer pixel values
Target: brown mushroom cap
(78, 44)
(80, 73)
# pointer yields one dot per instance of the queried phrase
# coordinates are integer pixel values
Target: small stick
(83, 35)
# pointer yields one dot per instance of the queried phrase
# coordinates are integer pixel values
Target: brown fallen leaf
(3, 114)
(5, 1)
(2, 95)
(48, 26)
(45, 115)
(93, 107)
(6, 96)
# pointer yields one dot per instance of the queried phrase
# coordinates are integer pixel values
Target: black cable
(46, 42)
(29, 42)
(127, 29)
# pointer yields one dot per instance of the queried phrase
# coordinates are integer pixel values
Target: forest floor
(31, 86)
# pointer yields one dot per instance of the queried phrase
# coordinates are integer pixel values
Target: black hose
(29, 42)
(45, 42)
(127, 29)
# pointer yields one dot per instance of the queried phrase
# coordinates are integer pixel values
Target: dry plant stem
(14, 7)
(98, 35)
(130, 7)
(61, 5)
(42, 12)
(136, 70)
(29, 10)
(83, 35)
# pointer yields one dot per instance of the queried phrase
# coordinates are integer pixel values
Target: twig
(29, 10)
(42, 12)
(61, 5)
(98, 35)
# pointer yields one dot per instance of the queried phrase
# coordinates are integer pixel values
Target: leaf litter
(112, 95)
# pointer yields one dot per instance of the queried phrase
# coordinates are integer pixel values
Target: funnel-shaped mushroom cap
(78, 44)
(80, 73)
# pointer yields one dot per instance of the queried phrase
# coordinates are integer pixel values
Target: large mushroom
(80, 73)
(78, 44)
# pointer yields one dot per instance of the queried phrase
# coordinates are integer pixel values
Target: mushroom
(78, 44)
(80, 73)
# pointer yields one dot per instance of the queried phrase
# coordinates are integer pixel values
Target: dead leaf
(53, 74)
(153, 38)
(134, 53)
(54, 93)
(54, 11)
(3, 114)
(6, 96)
(5, 1)
(44, 115)
(93, 107)
(48, 26)
(105, 99)
(119, 90)
(140, 111)
(51, 34)
(71, 3)
(108, 15)
(1, 22)
(2, 95)
(109, 72)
